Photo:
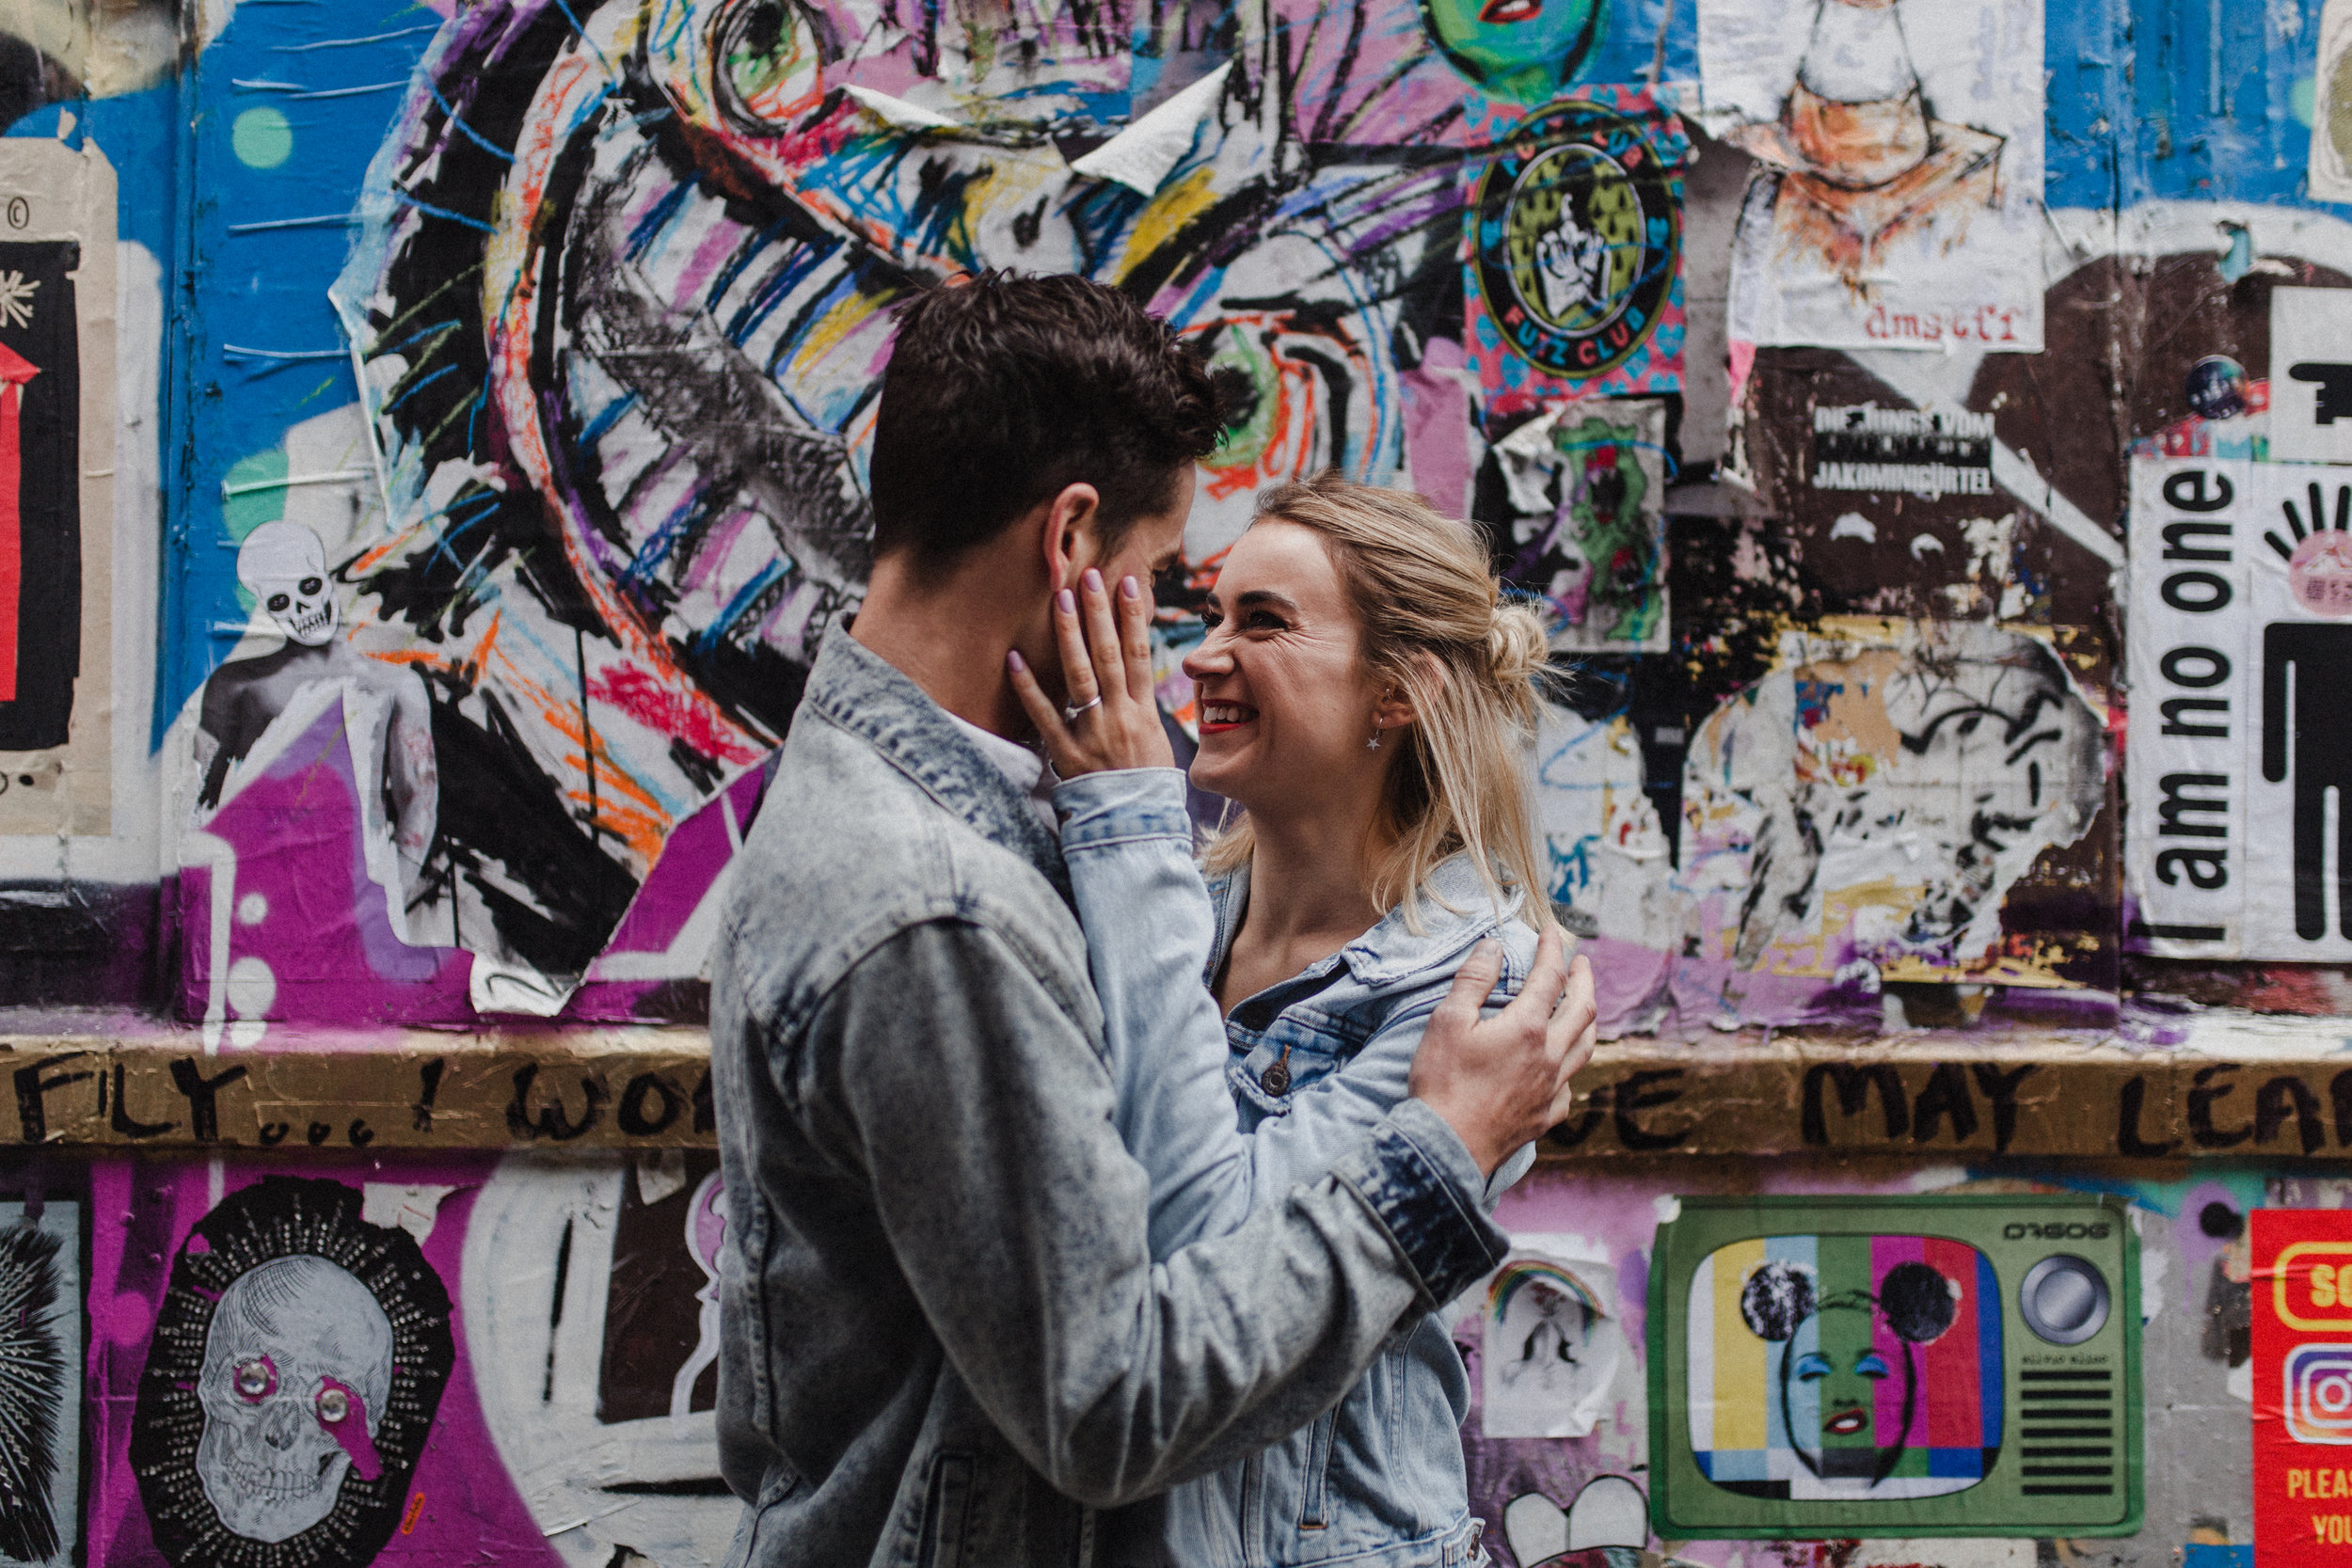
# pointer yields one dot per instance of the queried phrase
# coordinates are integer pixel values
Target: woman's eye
(1265, 620)
(1211, 619)
(1811, 1369)
(1870, 1366)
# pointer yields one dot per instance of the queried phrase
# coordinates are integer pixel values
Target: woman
(1366, 698)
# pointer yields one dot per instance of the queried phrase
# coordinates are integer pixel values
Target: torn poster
(1585, 484)
(2241, 652)
(1897, 201)
(1553, 1340)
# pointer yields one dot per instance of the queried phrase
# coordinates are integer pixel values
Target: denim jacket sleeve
(980, 1109)
(1127, 841)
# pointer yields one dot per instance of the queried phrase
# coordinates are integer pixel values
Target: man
(944, 1341)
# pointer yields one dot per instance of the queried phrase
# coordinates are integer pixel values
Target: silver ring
(1069, 715)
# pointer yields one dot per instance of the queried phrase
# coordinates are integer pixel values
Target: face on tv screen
(1845, 1367)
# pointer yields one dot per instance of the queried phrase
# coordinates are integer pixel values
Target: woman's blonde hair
(1436, 627)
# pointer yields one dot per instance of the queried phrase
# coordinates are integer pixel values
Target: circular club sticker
(1577, 231)
(2319, 573)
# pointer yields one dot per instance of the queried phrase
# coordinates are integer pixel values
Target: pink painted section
(352, 1430)
(1437, 428)
(1742, 363)
(696, 851)
(1626, 975)
(326, 932)
(692, 857)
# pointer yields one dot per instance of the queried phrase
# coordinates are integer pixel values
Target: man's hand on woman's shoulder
(1504, 1081)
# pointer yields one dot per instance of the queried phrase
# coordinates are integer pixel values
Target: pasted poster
(41, 1383)
(282, 1379)
(1897, 201)
(1554, 1339)
(300, 1354)
(2302, 1387)
(1585, 486)
(57, 461)
(2332, 107)
(2241, 653)
(1574, 241)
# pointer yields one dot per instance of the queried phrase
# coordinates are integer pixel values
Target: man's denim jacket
(1379, 1481)
(945, 1339)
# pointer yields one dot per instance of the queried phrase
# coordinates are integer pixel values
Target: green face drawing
(1835, 1369)
(1525, 50)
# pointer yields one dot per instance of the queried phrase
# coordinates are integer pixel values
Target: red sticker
(2302, 1368)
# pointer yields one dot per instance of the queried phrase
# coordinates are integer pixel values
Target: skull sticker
(284, 567)
(296, 1365)
(297, 1360)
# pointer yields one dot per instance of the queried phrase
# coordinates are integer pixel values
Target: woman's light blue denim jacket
(1377, 1482)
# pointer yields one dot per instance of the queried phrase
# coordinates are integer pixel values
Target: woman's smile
(1846, 1422)
(1218, 718)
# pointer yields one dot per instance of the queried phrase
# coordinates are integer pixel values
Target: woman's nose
(1208, 657)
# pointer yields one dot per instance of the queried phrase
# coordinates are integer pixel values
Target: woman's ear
(1393, 708)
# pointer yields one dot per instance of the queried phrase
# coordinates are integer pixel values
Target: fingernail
(1127, 589)
(1066, 602)
(1094, 579)
(1014, 662)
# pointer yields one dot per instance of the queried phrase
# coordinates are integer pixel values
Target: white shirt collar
(1023, 767)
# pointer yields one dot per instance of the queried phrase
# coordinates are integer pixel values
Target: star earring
(1374, 744)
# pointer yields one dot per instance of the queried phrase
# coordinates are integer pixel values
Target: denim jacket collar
(1455, 911)
(872, 698)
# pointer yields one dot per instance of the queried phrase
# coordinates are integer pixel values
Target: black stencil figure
(2319, 660)
(2335, 389)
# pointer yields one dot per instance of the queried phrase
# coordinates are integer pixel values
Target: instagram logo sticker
(2319, 1393)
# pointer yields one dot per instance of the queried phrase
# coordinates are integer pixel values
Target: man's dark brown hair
(1002, 390)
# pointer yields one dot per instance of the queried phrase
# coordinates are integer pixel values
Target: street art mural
(574, 316)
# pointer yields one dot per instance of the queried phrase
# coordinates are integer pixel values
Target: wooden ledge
(115, 1080)
(2220, 1085)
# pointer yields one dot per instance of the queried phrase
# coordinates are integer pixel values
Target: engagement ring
(1069, 715)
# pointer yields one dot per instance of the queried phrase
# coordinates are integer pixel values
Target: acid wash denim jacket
(1377, 1482)
(945, 1338)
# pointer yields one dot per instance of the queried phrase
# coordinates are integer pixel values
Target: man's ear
(1069, 536)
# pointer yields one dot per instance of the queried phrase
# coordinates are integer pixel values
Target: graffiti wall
(432, 448)
(470, 1358)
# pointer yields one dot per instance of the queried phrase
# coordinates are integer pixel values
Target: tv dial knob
(2064, 1299)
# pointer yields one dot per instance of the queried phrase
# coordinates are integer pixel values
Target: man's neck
(946, 636)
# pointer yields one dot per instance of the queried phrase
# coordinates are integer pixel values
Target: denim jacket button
(1276, 1079)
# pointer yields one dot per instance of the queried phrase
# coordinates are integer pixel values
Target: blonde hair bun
(1518, 648)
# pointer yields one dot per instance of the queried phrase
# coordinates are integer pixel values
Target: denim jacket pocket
(1314, 1501)
(1305, 1056)
(946, 1511)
